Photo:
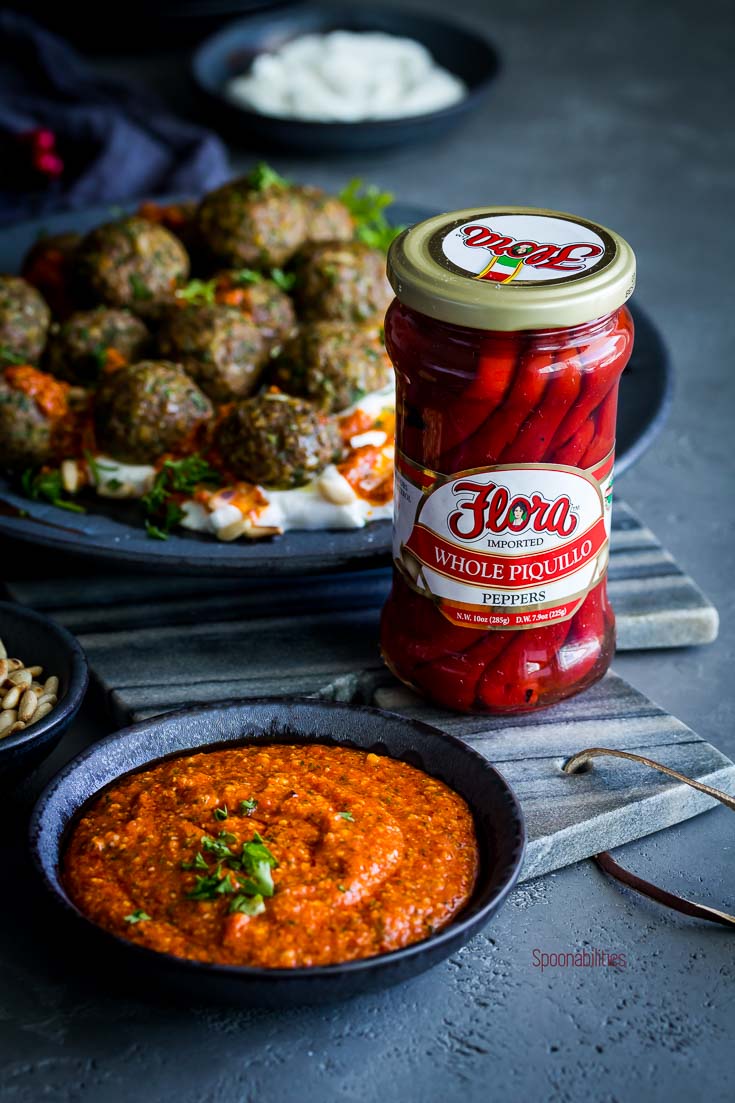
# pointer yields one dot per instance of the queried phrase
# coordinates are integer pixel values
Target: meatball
(49, 266)
(146, 409)
(221, 349)
(277, 441)
(342, 280)
(24, 322)
(80, 347)
(26, 432)
(134, 263)
(333, 363)
(270, 308)
(328, 219)
(259, 226)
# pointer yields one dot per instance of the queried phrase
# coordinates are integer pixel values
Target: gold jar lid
(511, 268)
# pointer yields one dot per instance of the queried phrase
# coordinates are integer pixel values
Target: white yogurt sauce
(347, 76)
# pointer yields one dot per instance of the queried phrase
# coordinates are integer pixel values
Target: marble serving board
(160, 643)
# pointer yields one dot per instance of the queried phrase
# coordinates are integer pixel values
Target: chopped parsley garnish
(138, 916)
(221, 813)
(248, 874)
(198, 292)
(47, 486)
(248, 905)
(341, 888)
(367, 206)
(346, 816)
(284, 280)
(176, 477)
(138, 288)
(263, 176)
(247, 807)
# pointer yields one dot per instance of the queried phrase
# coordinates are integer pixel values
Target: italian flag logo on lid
(501, 269)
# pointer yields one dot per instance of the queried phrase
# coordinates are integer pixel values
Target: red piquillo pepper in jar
(509, 335)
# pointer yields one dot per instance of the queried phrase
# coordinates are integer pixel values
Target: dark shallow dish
(232, 50)
(113, 532)
(37, 640)
(498, 822)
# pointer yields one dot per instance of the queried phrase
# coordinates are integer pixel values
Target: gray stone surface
(619, 111)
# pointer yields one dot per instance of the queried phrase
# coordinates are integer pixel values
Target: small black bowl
(232, 50)
(497, 815)
(37, 640)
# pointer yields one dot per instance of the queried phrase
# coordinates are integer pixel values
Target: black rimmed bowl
(37, 640)
(497, 815)
(231, 52)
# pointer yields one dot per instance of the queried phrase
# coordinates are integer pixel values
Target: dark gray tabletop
(617, 111)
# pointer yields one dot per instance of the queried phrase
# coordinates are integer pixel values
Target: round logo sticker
(522, 248)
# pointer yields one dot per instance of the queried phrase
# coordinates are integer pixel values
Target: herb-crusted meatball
(328, 219)
(32, 407)
(49, 267)
(24, 322)
(256, 221)
(341, 280)
(134, 263)
(84, 344)
(146, 409)
(277, 441)
(333, 364)
(221, 349)
(270, 308)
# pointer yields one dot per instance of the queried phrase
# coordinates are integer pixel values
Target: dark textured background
(620, 112)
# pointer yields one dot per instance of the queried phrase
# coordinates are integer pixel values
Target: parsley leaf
(221, 813)
(47, 486)
(247, 807)
(263, 176)
(138, 916)
(284, 280)
(346, 816)
(248, 905)
(175, 477)
(367, 206)
(198, 292)
(246, 275)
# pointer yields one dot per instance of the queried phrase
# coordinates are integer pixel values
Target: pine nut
(11, 698)
(21, 677)
(51, 685)
(47, 699)
(42, 711)
(18, 726)
(3, 670)
(70, 476)
(35, 671)
(3, 652)
(7, 718)
(28, 705)
(14, 664)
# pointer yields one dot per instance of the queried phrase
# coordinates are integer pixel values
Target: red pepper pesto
(372, 855)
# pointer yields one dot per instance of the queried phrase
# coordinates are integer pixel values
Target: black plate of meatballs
(109, 345)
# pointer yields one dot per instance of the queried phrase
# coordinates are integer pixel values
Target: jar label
(522, 248)
(503, 547)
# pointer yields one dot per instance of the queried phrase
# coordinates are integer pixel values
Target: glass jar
(508, 336)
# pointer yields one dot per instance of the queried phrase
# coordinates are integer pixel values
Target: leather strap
(607, 863)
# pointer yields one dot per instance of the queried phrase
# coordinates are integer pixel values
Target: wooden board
(159, 643)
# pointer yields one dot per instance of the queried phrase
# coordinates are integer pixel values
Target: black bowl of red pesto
(495, 815)
(39, 641)
(231, 51)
